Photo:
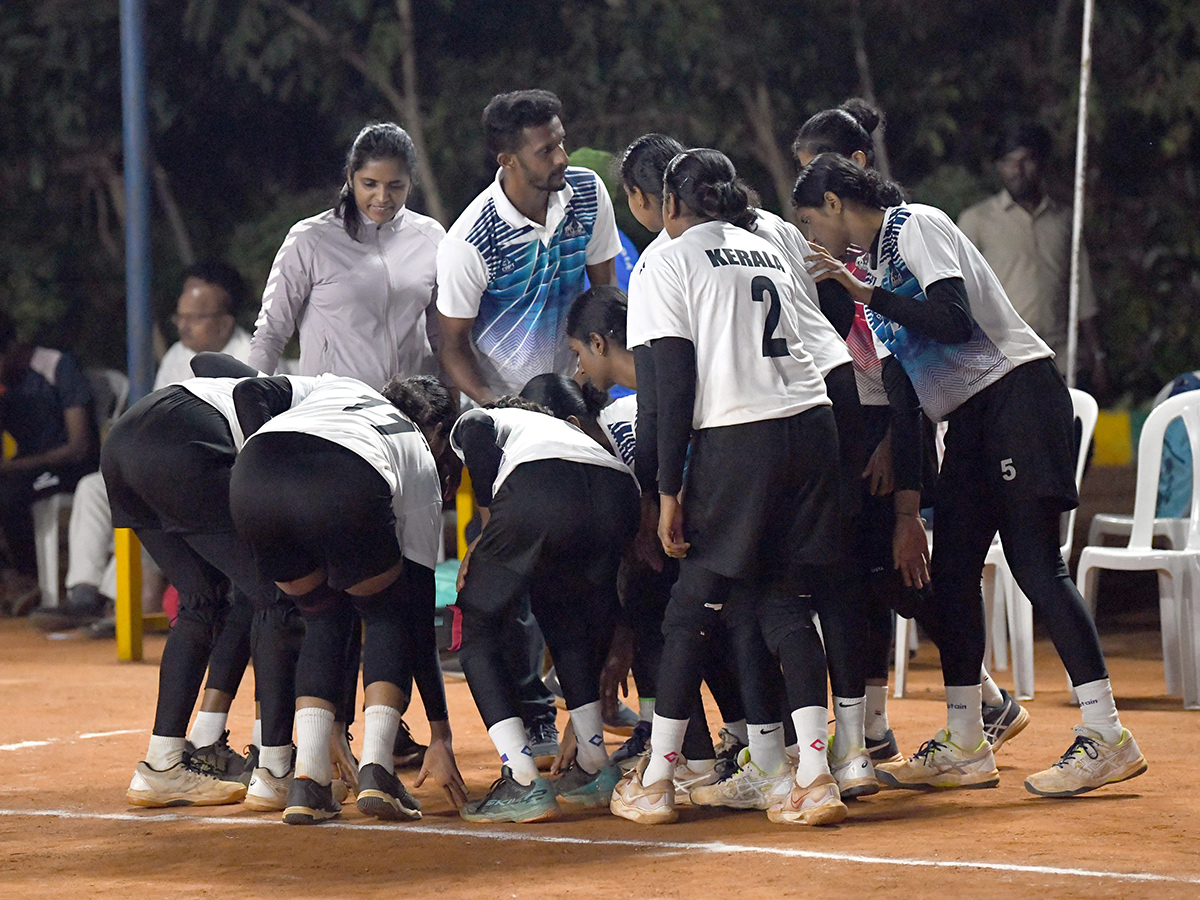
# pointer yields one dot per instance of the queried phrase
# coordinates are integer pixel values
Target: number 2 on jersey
(761, 288)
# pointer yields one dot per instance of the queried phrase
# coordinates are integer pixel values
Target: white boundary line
(27, 745)
(677, 846)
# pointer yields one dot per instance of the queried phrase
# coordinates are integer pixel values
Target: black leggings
(964, 531)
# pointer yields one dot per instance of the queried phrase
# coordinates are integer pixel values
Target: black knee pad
(320, 601)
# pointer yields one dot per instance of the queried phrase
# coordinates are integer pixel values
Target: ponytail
(834, 173)
(706, 182)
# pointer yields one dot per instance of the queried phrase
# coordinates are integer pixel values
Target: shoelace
(927, 749)
(1082, 744)
(727, 742)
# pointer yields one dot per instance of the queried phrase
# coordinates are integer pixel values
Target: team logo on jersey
(506, 266)
(573, 228)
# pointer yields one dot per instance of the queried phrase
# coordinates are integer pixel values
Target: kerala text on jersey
(730, 256)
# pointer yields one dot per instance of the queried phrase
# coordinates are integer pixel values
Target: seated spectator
(46, 405)
(205, 316)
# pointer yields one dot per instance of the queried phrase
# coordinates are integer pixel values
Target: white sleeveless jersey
(525, 436)
(820, 337)
(619, 423)
(732, 295)
(218, 393)
(357, 417)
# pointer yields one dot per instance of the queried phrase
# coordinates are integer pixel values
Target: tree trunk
(413, 119)
(166, 196)
(863, 63)
(760, 118)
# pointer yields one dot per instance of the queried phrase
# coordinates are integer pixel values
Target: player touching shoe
(339, 496)
(936, 306)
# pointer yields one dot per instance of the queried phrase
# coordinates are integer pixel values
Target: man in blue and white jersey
(510, 266)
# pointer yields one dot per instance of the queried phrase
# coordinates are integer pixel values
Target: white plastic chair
(1015, 604)
(1179, 569)
(1172, 531)
(110, 393)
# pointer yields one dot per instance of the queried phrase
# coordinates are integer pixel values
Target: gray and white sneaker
(310, 803)
(180, 785)
(855, 775)
(1004, 722)
(269, 792)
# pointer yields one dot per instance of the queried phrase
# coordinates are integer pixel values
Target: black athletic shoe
(82, 605)
(543, 742)
(381, 794)
(1004, 722)
(309, 803)
(406, 752)
(510, 801)
(219, 759)
(727, 749)
(884, 750)
(635, 745)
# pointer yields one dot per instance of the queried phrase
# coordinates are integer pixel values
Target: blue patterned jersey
(518, 279)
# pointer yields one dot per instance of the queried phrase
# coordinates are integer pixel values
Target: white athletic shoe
(817, 804)
(645, 804)
(180, 785)
(942, 764)
(747, 788)
(1089, 763)
(687, 781)
(855, 775)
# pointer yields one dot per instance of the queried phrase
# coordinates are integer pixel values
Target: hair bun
(863, 112)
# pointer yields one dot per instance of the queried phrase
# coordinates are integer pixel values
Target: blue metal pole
(139, 316)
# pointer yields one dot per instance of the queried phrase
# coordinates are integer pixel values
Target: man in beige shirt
(1025, 235)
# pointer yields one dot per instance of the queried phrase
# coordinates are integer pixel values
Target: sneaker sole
(889, 780)
(382, 805)
(306, 815)
(1012, 730)
(255, 803)
(143, 800)
(620, 808)
(1139, 768)
(863, 787)
(546, 815)
(828, 814)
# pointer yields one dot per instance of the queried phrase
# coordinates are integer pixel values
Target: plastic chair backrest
(110, 392)
(1087, 411)
(1182, 406)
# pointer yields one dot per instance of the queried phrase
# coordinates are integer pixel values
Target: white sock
(766, 746)
(589, 737)
(314, 728)
(164, 752)
(991, 690)
(1099, 710)
(208, 728)
(876, 724)
(512, 743)
(739, 730)
(256, 735)
(700, 766)
(276, 760)
(964, 715)
(646, 709)
(812, 742)
(666, 740)
(379, 735)
(848, 737)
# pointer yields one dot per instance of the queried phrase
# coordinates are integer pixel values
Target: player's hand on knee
(910, 550)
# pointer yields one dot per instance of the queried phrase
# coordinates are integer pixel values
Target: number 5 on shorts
(1007, 470)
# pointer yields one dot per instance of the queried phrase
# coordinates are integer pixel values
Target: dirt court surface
(74, 722)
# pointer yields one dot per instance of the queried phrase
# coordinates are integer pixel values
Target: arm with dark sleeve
(943, 315)
(675, 366)
(207, 364)
(837, 305)
(907, 433)
(427, 668)
(646, 459)
(476, 436)
(258, 400)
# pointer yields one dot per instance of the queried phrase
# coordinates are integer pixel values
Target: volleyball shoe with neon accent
(940, 764)
(1089, 763)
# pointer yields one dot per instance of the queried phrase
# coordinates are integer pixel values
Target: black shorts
(1014, 441)
(166, 465)
(303, 503)
(763, 497)
(551, 514)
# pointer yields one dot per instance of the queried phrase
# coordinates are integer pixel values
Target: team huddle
(746, 514)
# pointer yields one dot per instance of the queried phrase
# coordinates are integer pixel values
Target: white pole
(1085, 73)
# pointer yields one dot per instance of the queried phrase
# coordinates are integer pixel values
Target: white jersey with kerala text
(732, 295)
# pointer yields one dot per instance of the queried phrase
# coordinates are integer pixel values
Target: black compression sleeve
(907, 433)
(943, 315)
(646, 458)
(207, 364)
(258, 400)
(426, 666)
(476, 435)
(837, 305)
(675, 366)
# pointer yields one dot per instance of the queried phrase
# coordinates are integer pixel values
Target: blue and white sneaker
(508, 800)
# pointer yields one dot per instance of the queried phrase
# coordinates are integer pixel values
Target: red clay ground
(73, 722)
